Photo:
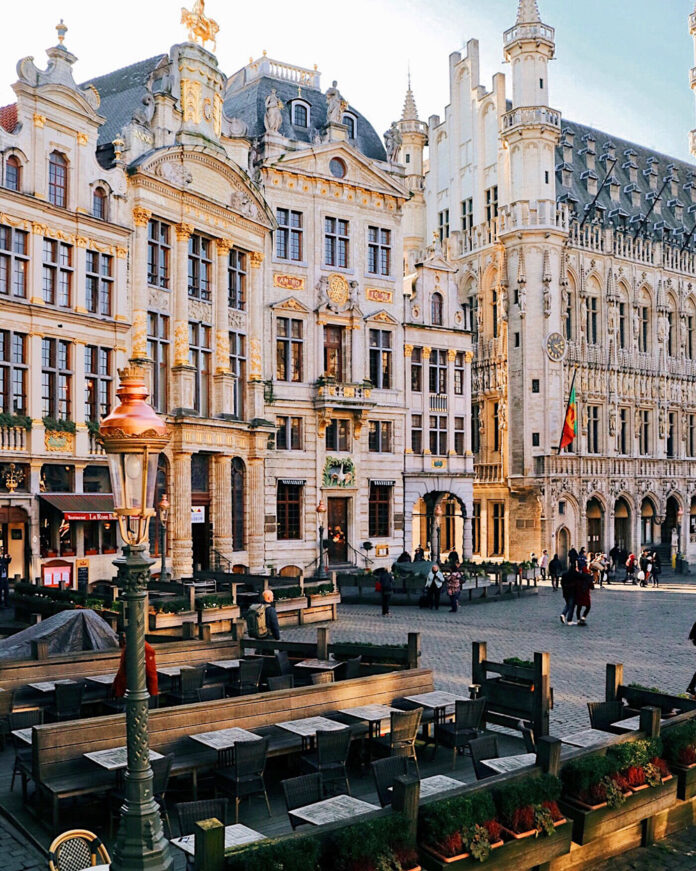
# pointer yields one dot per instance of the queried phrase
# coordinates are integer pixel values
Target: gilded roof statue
(199, 27)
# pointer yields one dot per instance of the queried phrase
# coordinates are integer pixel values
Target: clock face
(555, 347)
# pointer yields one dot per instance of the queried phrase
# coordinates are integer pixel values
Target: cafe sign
(376, 294)
(288, 282)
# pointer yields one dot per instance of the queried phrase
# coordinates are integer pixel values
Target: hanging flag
(570, 423)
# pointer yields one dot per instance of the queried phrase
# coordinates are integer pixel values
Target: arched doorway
(563, 544)
(622, 524)
(438, 524)
(595, 525)
(647, 520)
(670, 531)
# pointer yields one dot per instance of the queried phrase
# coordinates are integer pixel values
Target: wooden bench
(60, 771)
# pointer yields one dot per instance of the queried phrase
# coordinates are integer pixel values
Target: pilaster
(222, 506)
(182, 372)
(180, 517)
(141, 218)
(254, 513)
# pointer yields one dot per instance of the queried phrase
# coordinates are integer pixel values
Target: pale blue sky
(622, 65)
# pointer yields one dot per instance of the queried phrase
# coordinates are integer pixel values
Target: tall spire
(410, 112)
(528, 12)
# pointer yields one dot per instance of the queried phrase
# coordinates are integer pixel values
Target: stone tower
(414, 138)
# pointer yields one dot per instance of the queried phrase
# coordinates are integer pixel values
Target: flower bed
(680, 752)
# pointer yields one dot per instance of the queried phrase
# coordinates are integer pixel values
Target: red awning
(82, 506)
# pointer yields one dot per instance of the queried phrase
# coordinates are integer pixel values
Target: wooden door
(337, 534)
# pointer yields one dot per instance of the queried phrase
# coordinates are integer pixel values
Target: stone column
(451, 354)
(255, 371)
(408, 350)
(223, 398)
(222, 505)
(254, 514)
(468, 357)
(40, 165)
(141, 218)
(79, 300)
(426, 402)
(179, 524)
(182, 372)
(35, 276)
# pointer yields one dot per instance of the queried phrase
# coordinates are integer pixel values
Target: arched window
(99, 203)
(622, 324)
(643, 312)
(13, 170)
(300, 115)
(57, 179)
(349, 121)
(237, 504)
(690, 330)
(436, 309)
(671, 328)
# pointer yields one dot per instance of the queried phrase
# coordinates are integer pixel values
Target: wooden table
(226, 665)
(235, 836)
(102, 679)
(331, 810)
(223, 739)
(307, 728)
(438, 783)
(631, 724)
(587, 738)
(435, 700)
(115, 758)
(504, 764)
(172, 670)
(48, 686)
(372, 714)
(318, 664)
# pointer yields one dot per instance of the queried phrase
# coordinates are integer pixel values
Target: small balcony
(13, 438)
(330, 393)
(438, 402)
(532, 116)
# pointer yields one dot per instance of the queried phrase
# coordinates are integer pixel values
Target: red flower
(451, 845)
(687, 755)
(494, 830)
(635, 775)
(621, 781)
(554, 810)
(523, 819)
(661, 766)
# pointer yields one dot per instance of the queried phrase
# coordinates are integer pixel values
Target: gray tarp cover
(66, 632)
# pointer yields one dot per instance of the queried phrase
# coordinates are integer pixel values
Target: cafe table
(225, 664)
(235, 836)
(307, 728)
(48, 686)
(115, 758)
(439, 702)
(102, 679)
(438, 783)
(631, 724)
(332, 810)
(505, 764)
(223, 739)
(172, 670)
(374, 715)
(319, 664)
(587, 737)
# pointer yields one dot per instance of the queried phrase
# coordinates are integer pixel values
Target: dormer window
(610, 150)
(614, 188)
(568, 136)
(590, 179)
(351, 123)
(567, 153)
(99, 203)
(300, 113)
(13, 171)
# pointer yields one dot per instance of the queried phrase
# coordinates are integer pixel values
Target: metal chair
(161, 770)
(331, 756)
(212, 692)
(23, 752)
(190, 682)
(281, 682)
(603, 714)
(299, 792)
(323, 677)
(385, 772)
(528, 735)
(75, 850)
(401, 740)
(283, 661)
(482, 749)
(243, 778)
(68, 702)
(248, 677)
(188, 813)
(467, 720)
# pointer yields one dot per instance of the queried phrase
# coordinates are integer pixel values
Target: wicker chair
(385, 772)
(6, 702)
(242, 772)
(331, 756)
(212, 692)
(161, 769)
(75, 850)
(482, 749)
(323, 677)
(188, 813)
(23, 753)
(248, 677)
(68, 702)
(457, 735)
(299, 792)
(401, 740)
(283, 661)
(281, 682)
(603, 714)
(190, 682)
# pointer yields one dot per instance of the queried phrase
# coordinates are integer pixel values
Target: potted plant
(529, 807)
(217, 609)
(170, 613)
(323, 599)
(457, 829)
(300, 854)
(372, 846)
(680, 752)
(290, 603)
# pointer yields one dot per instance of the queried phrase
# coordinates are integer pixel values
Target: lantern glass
(151, 458)
(117, 483)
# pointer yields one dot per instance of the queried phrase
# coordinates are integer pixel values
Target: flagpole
(565, 416)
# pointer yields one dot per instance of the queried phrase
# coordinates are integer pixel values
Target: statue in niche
(392, 142)
(335, 105)
(273, 117)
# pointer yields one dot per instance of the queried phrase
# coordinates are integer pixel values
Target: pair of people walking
(576, 586)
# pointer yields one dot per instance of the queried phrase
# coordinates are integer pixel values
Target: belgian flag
(570, 424)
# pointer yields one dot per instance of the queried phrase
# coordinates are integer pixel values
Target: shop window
(56, 478)
(96, 479)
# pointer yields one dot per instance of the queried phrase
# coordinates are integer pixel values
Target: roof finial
(410, 112)
(61, 29)
(528, 12)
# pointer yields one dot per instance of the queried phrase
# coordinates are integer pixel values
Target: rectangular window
(288, 433)
(672, 434)
(338, 435)
(333, 352)
(238, 369)
(644, 432)
(496, 428)
(56, 379)
(643, 329)
(623, 431)
(98, 378)
(200, 355)
(437, 373)
(568, 318)
(289, 350)
(623, 332)
(380, 437)
(492, 203)
(14, 262)
(592, 334)
(417, 370)
(467, 214)
(200, 266)
(459, 436)
(288, 511)
(417, 433)
(378, 251)
(443, 224)
(692, 435)
(158, 248)
(438, 435)
(476, 529)
(236, 279)
(336, 242)
(57, 272)
(592, 429)
(459, 373)
(158, 351)
(13, 373)
(379, 509)
(475, 427)
(381, 359)
(289, 235)
(690, 336)
(498, 530)
(99, 283)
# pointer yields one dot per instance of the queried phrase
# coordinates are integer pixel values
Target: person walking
(418, 554)
(5, 560)
(454, 587)
(568, 587)
(656, 569)
(630, 569)
(597, 568)
(555, 571)
(544, 563)
(583, 600)
(433, 585)
(386, 588)
(271, 614)
(582, 559)
(573, 558)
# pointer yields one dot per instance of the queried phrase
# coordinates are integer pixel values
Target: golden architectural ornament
(338, 290)
(13, 477)
(183, 231)
(383, 318)
(288, 282)
(255, 359)
(191, 101)
(119, 145)
(141, 216)
(139, 334)
(39, 120)
(200, 28)
(82, 139)
(255, 259)
(217, 114)
(451, 354)
(378, 294)
(408, 350)
(61, 30)
(468, 356)
(223, 246)
(426, 353)
(222, 352)
(59, 441)
(181, 345)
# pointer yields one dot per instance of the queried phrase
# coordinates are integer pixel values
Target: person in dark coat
(271, 614)
(5, 560)
(656, 569)
(555, 571)
(405, 557)
(583, 600)
(569, 583)
(691, 689)
(386, 582)
(572, 558)
(419, 555)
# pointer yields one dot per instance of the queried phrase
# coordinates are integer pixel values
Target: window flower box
(514, 854)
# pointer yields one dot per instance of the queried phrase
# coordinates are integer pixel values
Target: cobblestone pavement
(676, 853)
(16, 853)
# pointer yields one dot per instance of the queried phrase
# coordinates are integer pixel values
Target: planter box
(321, 608)
(516, 855)
(327, 599)
(160, 620)
(290, 611)
(686, 781)
(213, 615)
(589, 825)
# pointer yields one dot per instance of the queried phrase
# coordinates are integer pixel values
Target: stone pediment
(382, 317)
(290, 304)
(438, 262)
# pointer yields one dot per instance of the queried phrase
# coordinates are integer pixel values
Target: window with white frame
(289, 235)
(300, 113)
(380, 436)
(378, 251)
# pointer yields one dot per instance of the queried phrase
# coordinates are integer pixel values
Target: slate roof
(649, 165)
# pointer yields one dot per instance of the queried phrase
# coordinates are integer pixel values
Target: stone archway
(622, 524)
(647, 521)
(594, 540)
(563, 544)
(670, 529)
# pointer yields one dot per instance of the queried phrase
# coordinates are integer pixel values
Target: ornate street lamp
(133, 436)
(436, 531)
(163, 508)
(320, 573)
